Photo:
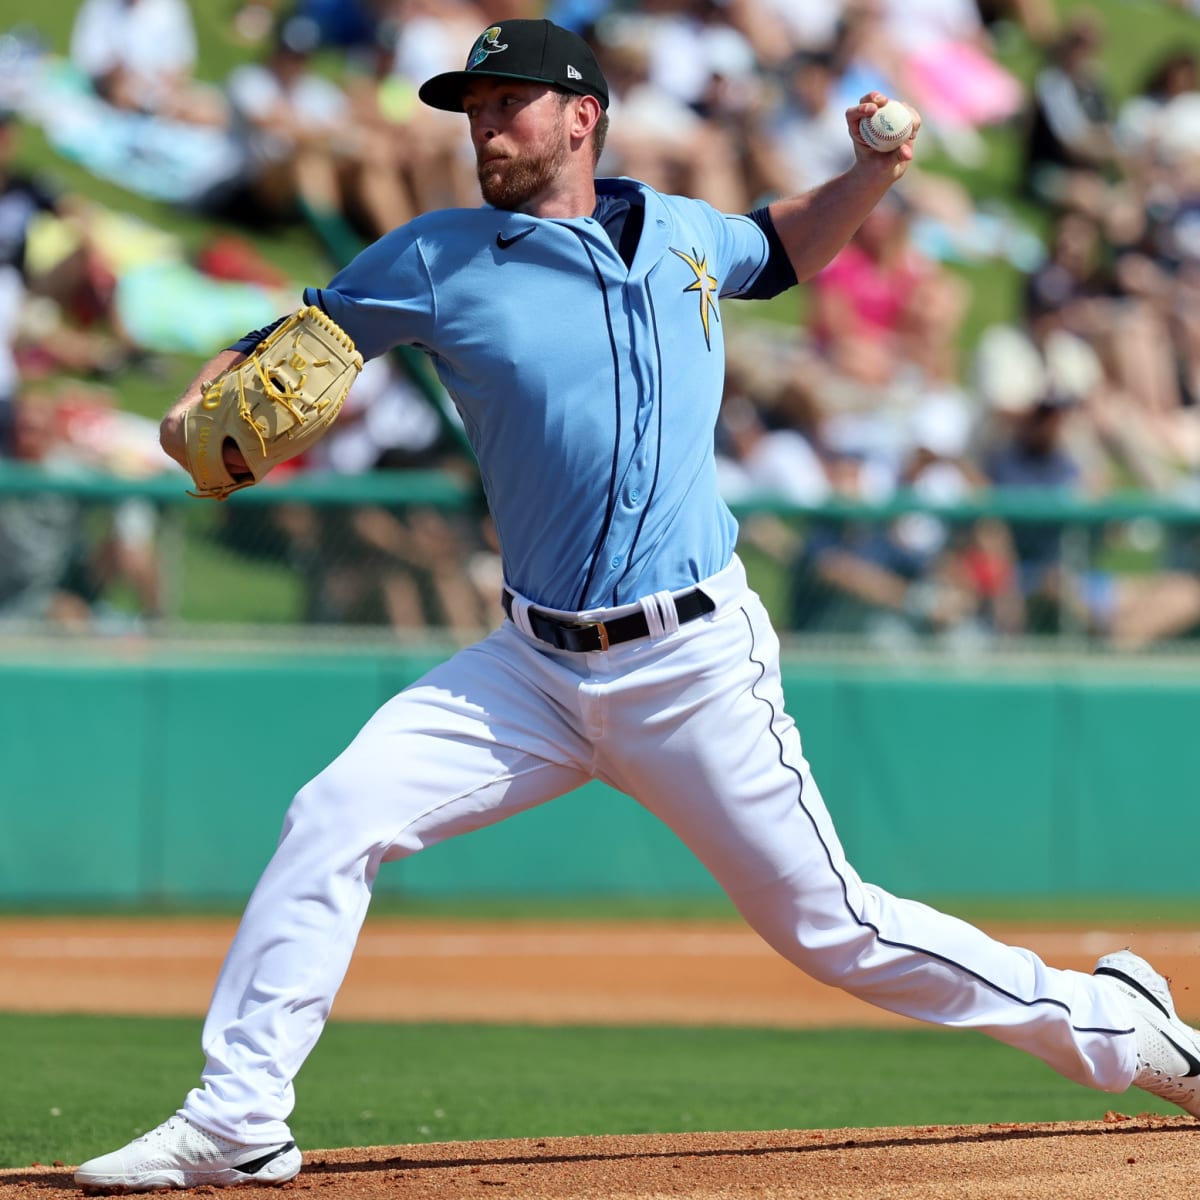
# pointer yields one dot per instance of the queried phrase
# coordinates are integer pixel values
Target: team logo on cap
(706, 285)
(487, 44)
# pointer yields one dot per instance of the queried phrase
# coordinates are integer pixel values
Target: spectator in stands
(1071, 156)
(805, 131)
(1037, 19)
(880, 335)
(140, 55)
(947, 68)
(22, 198)
(413, 165)
(60, 557)
(662, 140)
(865, 57)
(350, 26)
(912, 575)
(769, 451)
(687, 86)
(408, 566)
(758, 462)
(287, 119)
(1147, 123)
(428, 35)
(1052, 590)
(1013, 364)
(1129, 322)
(935, 54)
(880, 297)
(780, 29)
(970, 565)
(693, 53)
(35, 340)
(75, 277)
(45, 558)
(254, 20)
(41, 535)
(1157, 264)
(403, 568)
(301, 149)
(800, 142)
(432, 34)
(347, 25)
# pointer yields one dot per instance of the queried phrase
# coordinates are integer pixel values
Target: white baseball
(889, 127)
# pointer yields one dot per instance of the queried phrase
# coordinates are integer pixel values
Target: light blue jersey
(589, 391)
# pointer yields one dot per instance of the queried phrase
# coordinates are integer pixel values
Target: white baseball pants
(691, 724)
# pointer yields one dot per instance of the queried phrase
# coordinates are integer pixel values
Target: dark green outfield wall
(160, 780)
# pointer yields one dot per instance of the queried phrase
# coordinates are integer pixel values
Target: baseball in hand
(890, 126)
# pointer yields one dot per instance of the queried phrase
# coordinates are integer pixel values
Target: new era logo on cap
(534, 51)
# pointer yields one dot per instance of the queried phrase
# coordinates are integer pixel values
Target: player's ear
(587, 113)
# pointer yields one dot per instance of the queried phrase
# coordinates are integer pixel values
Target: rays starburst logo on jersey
(488, 44)
(706, 285)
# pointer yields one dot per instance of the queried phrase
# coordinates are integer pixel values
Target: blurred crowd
(867, 393)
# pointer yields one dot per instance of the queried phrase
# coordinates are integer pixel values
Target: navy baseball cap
(534, 51)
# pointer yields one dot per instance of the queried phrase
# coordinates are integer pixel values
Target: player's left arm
(814, 226)
(171, 429)
(391, 265)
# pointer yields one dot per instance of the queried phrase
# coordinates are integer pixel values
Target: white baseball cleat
(178, 1155)
(1168, 1051)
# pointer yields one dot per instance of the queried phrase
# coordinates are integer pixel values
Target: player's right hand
(896, 162)
(170, 432)
(171, 438)
(171, 435)
(234, 460)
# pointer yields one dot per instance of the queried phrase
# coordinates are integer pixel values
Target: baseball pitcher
(577, 323)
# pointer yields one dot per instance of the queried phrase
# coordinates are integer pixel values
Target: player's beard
(512, 182)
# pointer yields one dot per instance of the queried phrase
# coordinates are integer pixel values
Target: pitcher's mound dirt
(692, 973)
(1147, 1157)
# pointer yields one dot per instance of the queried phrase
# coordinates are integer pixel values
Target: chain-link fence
(410, 555)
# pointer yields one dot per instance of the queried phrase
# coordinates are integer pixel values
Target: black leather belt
(599, 635)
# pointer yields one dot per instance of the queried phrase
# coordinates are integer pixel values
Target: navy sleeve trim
(778, 274)
(248, 341)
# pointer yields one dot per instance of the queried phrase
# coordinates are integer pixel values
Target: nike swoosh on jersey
(504, 242)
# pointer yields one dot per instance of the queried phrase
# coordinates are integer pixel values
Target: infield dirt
(689, 973)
